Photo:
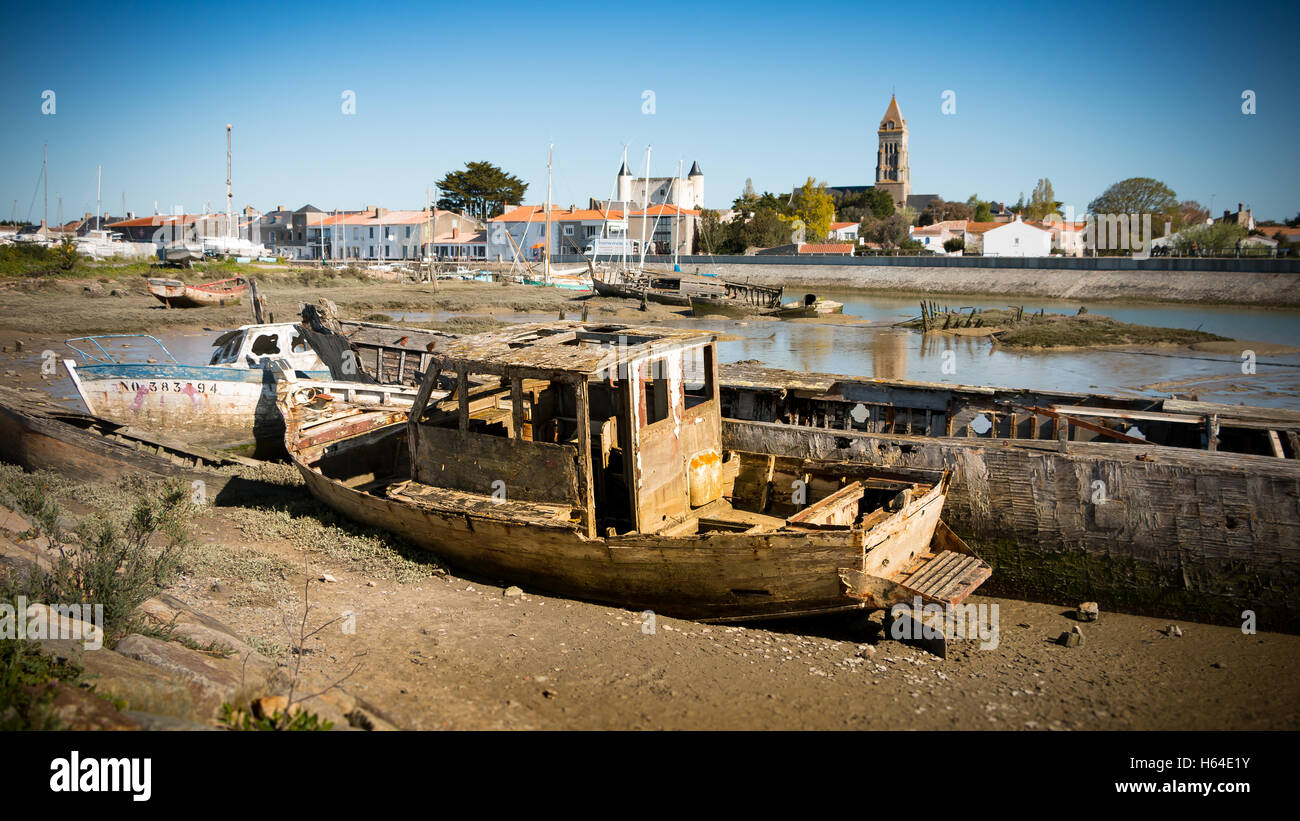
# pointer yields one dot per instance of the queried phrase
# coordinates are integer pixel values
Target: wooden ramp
(946, 577)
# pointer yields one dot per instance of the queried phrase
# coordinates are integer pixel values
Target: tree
(954, 244)
(481, 190)
(1042, 201)
(1213, 238)
(940, 211)
(764, 230)
(909, 214)
(1136, 195)
(881, 202)
(1189, 213)
(749, 193)
(813, 205)
(890, 232)
(981, 210)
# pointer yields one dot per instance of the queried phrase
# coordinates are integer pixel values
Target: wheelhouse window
(655, 399)
(697, 375)
(227, 348)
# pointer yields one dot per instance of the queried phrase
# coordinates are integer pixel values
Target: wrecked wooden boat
(811, 306)
(176, 294)
(39, 435)
(587, 461)
(739, 301)
(1158, 506)
(229, 400)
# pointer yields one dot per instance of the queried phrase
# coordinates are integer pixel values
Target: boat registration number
(155, 386)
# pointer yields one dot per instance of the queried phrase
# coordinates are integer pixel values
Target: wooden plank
(1276, 444)
(462, 397)
(1065, 421)
(585, 491)
(517, 402)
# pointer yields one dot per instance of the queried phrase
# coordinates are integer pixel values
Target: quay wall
(1174, 533)
(1264, 282)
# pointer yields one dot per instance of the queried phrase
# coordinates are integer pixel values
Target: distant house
(844, 230)
(1007, 239)
(932, 237)
(379, 234)
(1067, 237)
(1281, 232)
(1241, 216)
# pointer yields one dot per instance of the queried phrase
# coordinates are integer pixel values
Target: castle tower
(891, 158)
(624, 183)
(695, 179)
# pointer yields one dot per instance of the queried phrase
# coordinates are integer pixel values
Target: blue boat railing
(104, 357)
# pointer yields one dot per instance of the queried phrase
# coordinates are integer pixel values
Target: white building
(379, 234)
(1008, 239)
(932, 237)
(844, 231)
(685, 193)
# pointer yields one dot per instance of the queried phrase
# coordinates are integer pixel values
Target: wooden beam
(462, 396)
(517, 402)
(1276, 444)
(1064, 421)
(585, 490)
(1212, 432)
(417, 411)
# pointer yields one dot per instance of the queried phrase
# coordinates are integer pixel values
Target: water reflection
(889, 354)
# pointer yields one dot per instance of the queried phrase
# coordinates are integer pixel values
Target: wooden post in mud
(925, 320)
(1212, 432)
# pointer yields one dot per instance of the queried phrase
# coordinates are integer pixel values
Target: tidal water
(875, 349)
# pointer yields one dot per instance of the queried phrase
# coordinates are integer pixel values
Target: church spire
(893, 119)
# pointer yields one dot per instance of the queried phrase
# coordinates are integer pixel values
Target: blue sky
(778, 92)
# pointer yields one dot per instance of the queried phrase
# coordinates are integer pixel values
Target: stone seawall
(1222, 287)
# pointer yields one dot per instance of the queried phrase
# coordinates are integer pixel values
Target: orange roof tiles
(826, 248)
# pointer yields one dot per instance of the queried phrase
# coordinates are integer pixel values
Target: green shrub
(102, 561)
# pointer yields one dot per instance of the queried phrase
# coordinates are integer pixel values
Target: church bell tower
(891, 158)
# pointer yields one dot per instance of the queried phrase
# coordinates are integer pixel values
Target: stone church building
(892, 171)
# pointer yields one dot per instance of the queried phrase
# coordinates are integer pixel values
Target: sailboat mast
(645, 203)
(677, 218)
(45, 185)
(228, 196)
(546, 227)
(99, 197)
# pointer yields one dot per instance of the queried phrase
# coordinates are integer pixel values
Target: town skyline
(162, 137)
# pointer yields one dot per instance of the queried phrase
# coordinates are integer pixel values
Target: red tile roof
(826, 248)
(836, 226)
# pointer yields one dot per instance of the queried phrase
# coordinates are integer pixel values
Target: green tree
(981, 210)
(813, 205)
(1136, 195)
(1042, 201)
(881, 202)
(1214, 238)
(481, 190)
(890, 232)
(938, 210)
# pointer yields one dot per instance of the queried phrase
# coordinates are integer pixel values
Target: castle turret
(624, 183)
(696, 180)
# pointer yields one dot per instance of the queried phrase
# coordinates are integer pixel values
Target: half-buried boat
(587, 461)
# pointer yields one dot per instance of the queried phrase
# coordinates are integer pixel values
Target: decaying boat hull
(352, 461)
(1140, 528)
(176, 294)
(209, 402)
(41, 437)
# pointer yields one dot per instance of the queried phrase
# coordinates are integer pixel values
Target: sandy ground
(454, 652)
(437, 649)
